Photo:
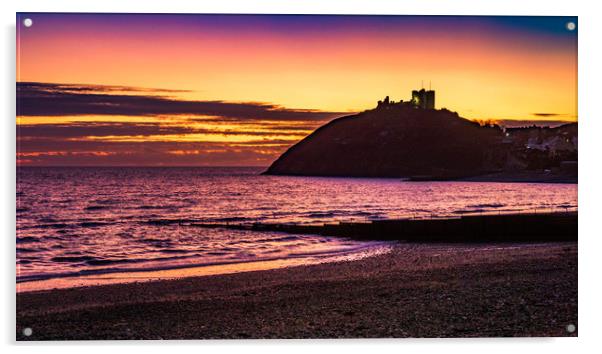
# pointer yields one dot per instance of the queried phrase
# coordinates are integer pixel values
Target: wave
(486, 205)
(275, 239)
(324, 214)
(27, 250)
(102, 261)
(107, 201)
(157, 242)
(152, 207)
(232, 219)
(98, 271)
(96, 207)
(94, 223)
(173, 251)
(60, 225)
(163, 222)
(72, 259)
(57, 225)
(27, 239)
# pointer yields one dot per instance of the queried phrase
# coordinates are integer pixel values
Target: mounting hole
(27, 331)
(27, 22)
(571, 328)
(571, 26)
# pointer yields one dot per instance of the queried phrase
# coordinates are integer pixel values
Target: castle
(422, 98)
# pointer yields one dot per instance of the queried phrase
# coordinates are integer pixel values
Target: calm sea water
(73, 221)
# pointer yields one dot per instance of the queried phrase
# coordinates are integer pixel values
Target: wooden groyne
(547, 227)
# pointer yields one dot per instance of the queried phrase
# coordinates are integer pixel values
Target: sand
(413, 291)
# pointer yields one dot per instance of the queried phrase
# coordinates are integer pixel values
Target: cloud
(81, 130)
(177, 132)
(548, 114)
(74, 88)
(46, 144)
(47, 99)
(50, 152)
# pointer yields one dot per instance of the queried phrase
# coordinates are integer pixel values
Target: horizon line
(144, 166)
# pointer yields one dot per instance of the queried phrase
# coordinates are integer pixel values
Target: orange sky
(483, 68)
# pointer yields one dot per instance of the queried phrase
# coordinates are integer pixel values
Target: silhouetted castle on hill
(422, 98)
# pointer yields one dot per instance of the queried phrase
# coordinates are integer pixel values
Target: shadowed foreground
(414, 291)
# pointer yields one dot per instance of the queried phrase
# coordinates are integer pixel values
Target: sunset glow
(241, 89)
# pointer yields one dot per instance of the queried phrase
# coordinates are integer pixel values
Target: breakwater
(533, 227)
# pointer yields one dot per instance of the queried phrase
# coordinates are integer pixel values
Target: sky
(238, 90)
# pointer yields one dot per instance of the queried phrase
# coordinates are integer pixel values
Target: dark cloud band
(47, 99)
(548, 114)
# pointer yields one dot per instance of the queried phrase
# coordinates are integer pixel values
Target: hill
(396, 140)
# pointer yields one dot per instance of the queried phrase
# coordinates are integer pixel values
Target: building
(424, 99)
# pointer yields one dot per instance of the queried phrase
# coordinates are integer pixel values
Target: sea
(86, 221)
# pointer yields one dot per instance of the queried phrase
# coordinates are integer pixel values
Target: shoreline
(124, 276)
(416, 290)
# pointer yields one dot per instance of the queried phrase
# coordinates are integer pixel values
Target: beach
(415, 290)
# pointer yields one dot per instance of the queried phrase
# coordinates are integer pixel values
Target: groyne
(535, 227)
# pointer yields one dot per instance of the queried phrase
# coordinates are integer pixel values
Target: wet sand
(416, 290)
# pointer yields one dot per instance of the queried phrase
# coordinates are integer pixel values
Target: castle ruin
(422, 98)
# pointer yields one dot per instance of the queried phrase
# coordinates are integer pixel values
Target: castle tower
(423, 98)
